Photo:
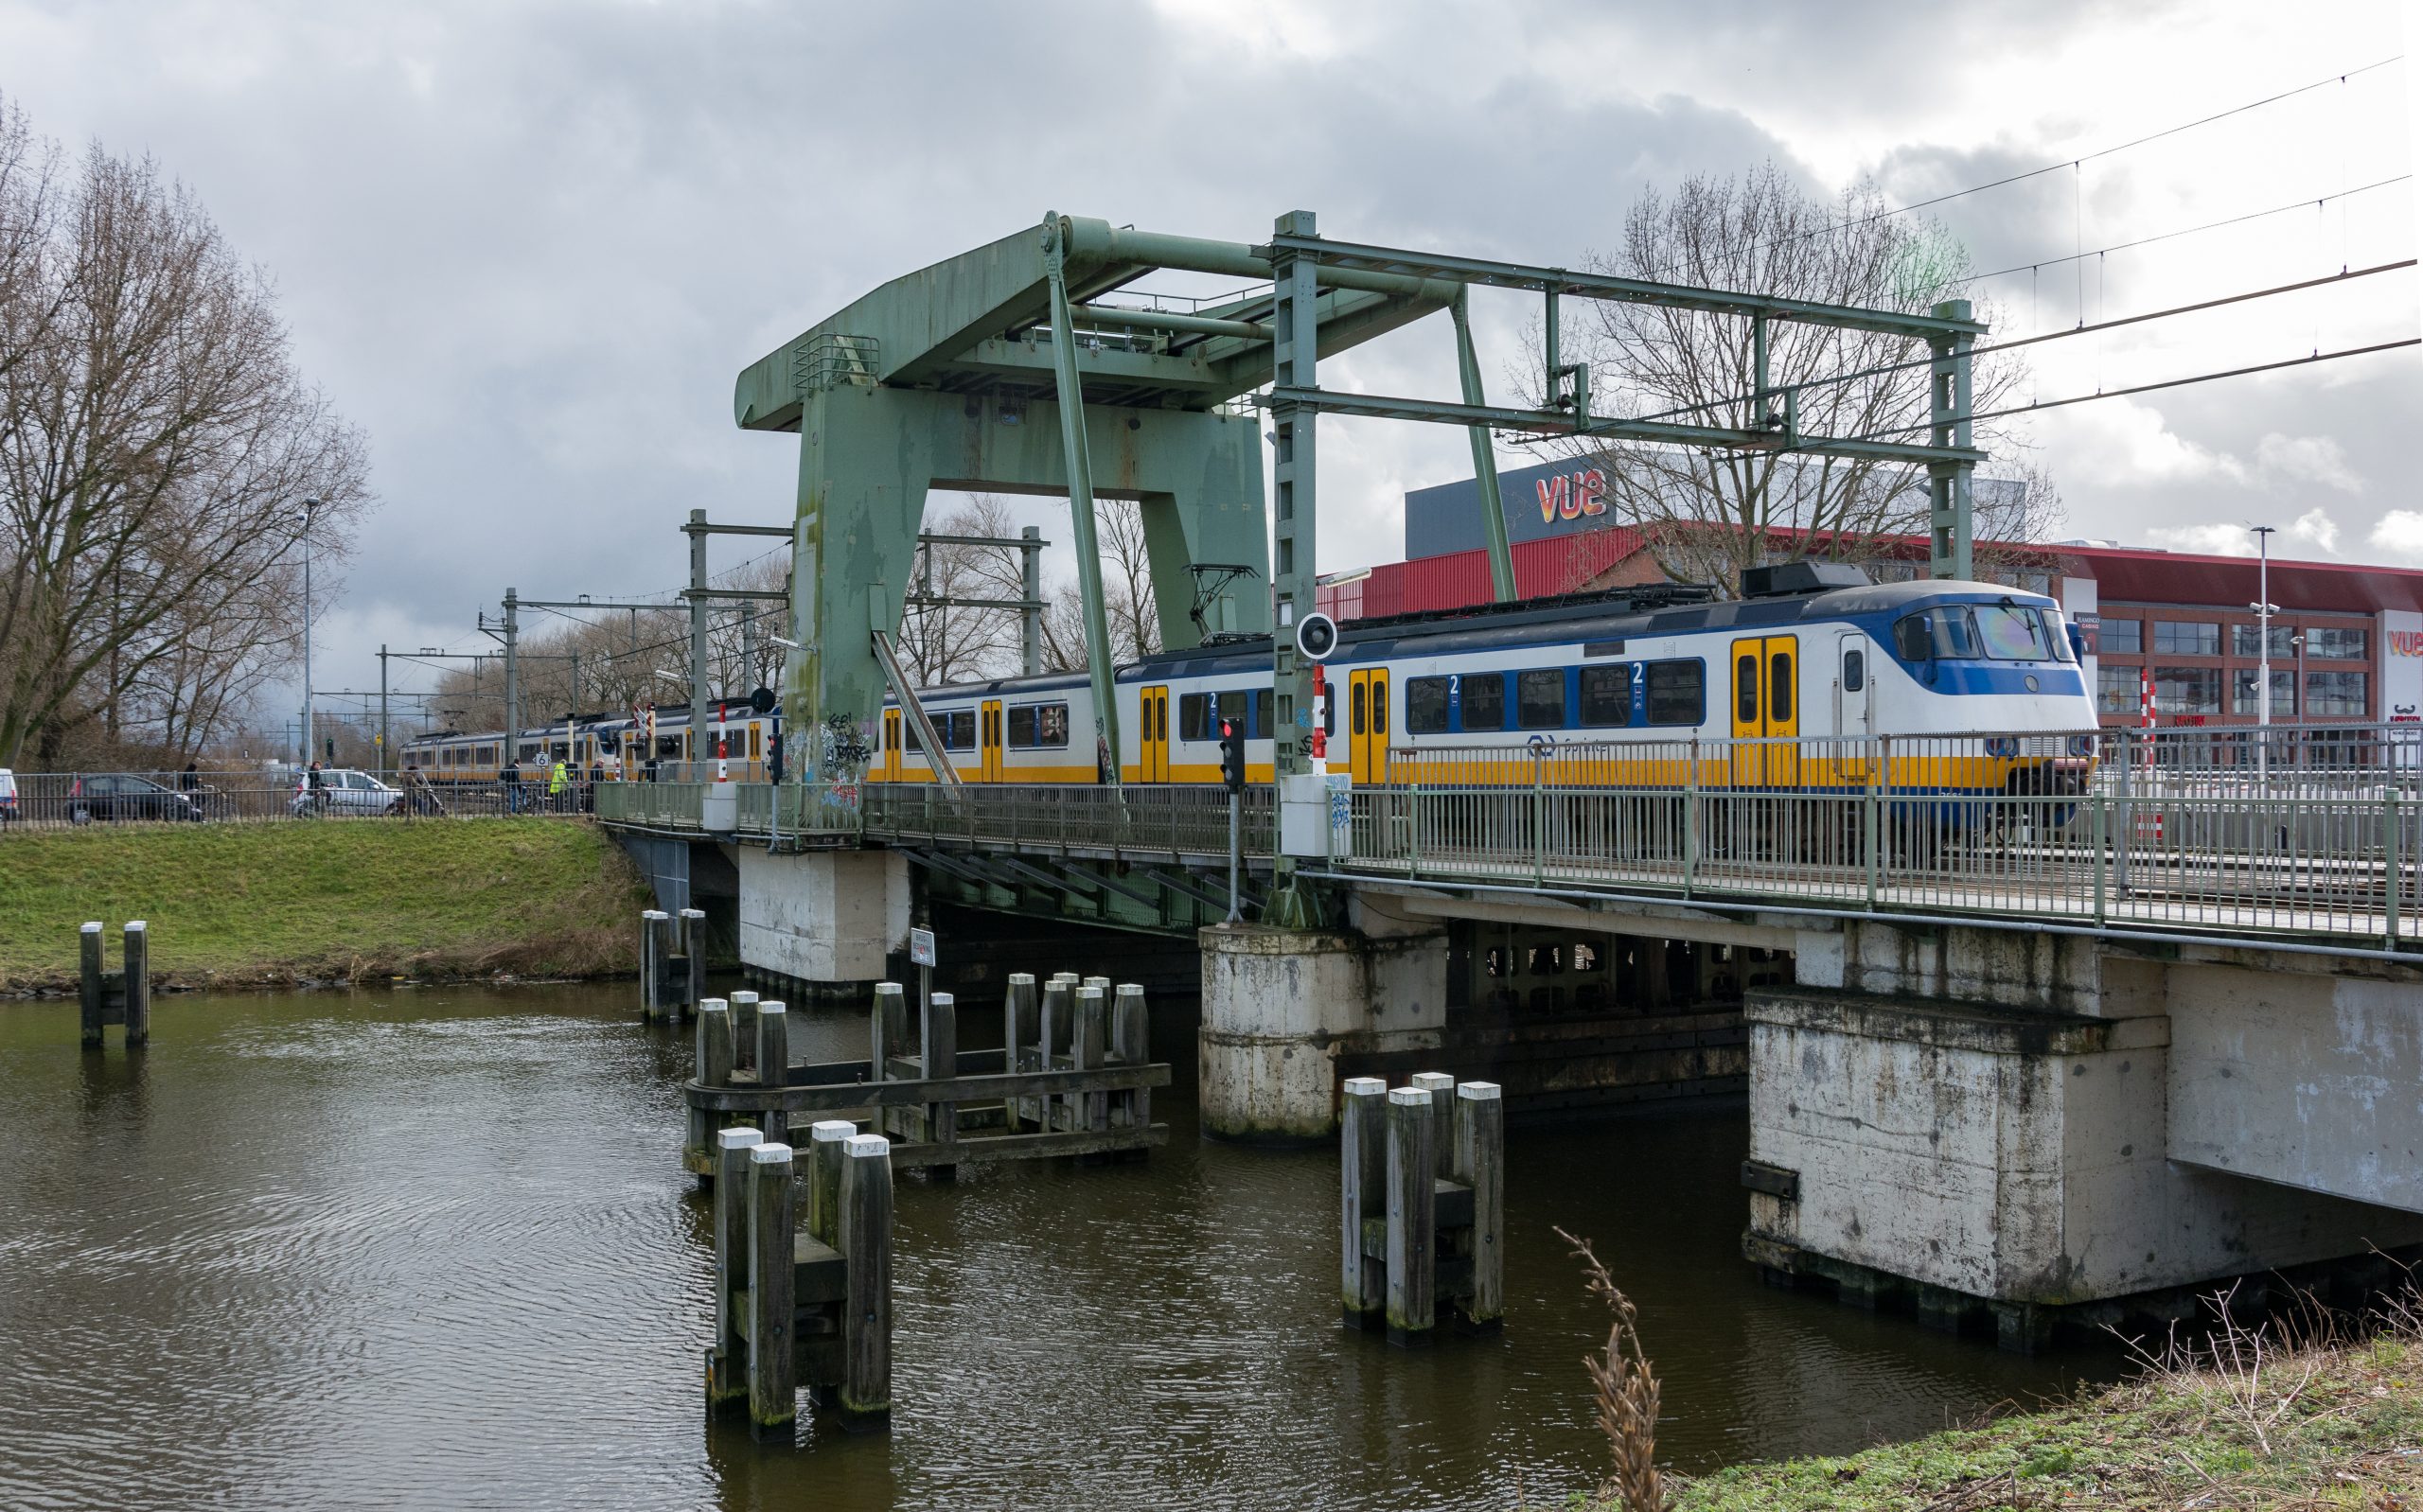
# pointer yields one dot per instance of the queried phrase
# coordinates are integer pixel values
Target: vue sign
(1570, 496)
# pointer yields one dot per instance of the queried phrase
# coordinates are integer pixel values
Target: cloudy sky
(527, 246)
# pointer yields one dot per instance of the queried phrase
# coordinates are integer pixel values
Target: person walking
(511, 777)
(558, 779)
(191, 779)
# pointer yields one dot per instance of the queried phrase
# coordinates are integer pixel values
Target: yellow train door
(1153, 734)
(1367, 725)
(1766, 707)
(890, 770)
(988, 741)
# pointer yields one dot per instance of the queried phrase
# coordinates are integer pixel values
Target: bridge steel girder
(868, 458)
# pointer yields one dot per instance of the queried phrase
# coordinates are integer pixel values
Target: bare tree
(156, 444)
(1130, 611)
(1706, 515)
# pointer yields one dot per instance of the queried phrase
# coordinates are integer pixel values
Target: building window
(2125, 636)
(2335, 695)
(2186, 637)
(2245, 641)
(2335, 643)
(2189, 689)
(2115, 690)
(2284, 691)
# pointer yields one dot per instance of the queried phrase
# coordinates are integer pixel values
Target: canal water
(431, 1248)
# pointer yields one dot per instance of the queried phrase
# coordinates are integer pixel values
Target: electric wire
(2184, 231)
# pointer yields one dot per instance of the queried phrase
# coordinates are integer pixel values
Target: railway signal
(1232, 755)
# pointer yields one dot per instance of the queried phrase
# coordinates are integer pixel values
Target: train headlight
(2002, 745)
(2081, 745)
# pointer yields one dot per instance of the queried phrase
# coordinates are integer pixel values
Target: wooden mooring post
(1074, 1077)
(673, 963)
(803, 1307)
(1422, 1205)
(123, 996)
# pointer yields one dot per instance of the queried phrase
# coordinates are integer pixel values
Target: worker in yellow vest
(557, 779)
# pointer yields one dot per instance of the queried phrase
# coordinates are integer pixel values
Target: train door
(1766, 708)
(988, 741)
(1853, 706)
(890, 770)
(1366, 724)
(1153, 734)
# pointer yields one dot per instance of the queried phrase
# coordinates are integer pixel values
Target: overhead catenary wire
(2184, 231)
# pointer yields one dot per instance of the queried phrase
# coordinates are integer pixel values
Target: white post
(2263, 658)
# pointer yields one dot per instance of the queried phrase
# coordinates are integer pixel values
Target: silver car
(342, 791)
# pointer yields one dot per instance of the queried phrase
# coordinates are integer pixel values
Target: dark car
(124, 796)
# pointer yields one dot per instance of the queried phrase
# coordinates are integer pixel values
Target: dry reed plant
(1624, 1386)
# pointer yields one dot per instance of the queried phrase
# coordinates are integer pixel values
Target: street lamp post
(2263, 612)
(309, 505)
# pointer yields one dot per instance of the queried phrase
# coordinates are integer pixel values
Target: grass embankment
(2258, 1422)
(243, 904)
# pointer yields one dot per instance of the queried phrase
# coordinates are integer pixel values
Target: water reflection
(431, 1249)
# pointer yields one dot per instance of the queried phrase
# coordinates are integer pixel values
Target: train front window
(2010, 633)
(1947, 633)
(2055, 634)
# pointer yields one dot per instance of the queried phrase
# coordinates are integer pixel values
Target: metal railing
(2093, 827)
(1185, 821)
(46, 800)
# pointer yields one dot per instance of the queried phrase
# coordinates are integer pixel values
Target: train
(617, 744)
(1780, 689)
(1981, 687)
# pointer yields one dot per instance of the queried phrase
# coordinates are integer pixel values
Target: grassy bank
(2265, 1420)
(263, 904)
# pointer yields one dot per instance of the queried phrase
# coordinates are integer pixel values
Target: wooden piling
(825, 1140)
(727, 1378)
(773, 1366)
(939, 1053)
(1480, 1162)
(1413, 1194)
(656, 944)
(866, 1247)
(1362, 1180)
(91, 989)
(1086, 1049)
(1022, 1011)
(1441, 1088)
(773, 1060)
(1131, 1044)
(693, 985)
(713, 1059)
(138, 984)
(887, 1036)
(744, 1030)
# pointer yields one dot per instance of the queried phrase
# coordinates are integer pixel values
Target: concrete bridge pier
(825, 919)
(1993, 1126)
(1280, 1006)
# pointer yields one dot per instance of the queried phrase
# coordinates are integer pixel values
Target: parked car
(344, 791)
(8, 795)
(125, 796)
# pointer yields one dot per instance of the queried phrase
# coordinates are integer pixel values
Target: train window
(1232, 705)
(1358, 723)
(1483, 696)
(2010, 633)
(1380, 705)
(1539, 698)
(1033, 725)
(1195, 716)
(1022, 727)
(1265, 723)
(2056, 634)
(1779, 688)
(959, 731)
(1854, 671)
(1606, 696)
(1678, 692)
(1745, 690)
(1426, 706)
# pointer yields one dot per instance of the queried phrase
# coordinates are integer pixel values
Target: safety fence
(1163, 821)
(44, 801)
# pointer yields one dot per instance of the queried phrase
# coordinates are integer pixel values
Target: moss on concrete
(231, 904)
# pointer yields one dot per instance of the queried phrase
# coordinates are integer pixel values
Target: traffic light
(1232, 755)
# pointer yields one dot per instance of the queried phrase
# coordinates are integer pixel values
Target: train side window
(1745, 690)
(1484, 700)
(1910, 639)
(1051, 725)
(1022, 727)
(1234, 704)
(1539, 698)
(1678, 692)
(1606, 696)
(1779, 687)
(1854, 671)
(1426, 706)
(959, 731)
(1264, 722)
(1193, 715)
